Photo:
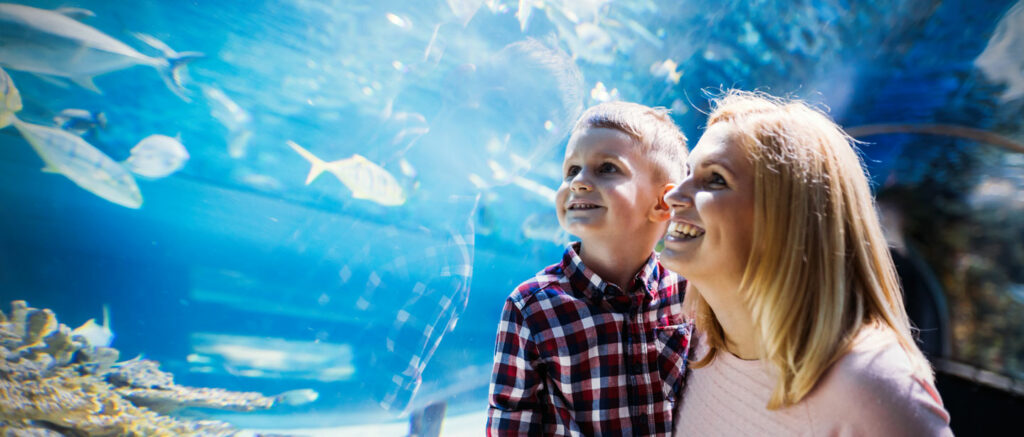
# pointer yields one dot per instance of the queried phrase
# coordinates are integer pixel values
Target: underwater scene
(302, 217)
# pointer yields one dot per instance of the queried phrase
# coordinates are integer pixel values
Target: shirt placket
(637, 369)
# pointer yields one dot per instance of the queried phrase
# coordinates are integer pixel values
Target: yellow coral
(40, 385)
(40, 324)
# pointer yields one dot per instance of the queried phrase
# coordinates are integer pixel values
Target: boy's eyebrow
(609, 155)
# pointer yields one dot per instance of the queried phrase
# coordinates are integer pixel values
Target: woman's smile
(681, 231)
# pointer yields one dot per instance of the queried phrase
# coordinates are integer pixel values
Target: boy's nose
(580, 183)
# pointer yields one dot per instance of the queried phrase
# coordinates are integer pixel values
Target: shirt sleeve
(515, 408)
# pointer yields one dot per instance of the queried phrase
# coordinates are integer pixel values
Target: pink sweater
(870, 391)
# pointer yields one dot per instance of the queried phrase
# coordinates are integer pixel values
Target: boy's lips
(581, 205)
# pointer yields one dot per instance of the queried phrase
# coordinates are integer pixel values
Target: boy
(596, 344)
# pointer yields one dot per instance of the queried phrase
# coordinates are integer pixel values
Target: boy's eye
(608, 168)
(573, 170)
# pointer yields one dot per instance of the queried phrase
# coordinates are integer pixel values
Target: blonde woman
(802, 329)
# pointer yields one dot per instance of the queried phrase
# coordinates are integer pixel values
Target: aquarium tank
(302, 217)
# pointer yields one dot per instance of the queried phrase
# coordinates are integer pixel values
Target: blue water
(468, 114)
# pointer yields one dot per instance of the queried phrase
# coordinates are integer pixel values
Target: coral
(178, 397)
(40, 324)
(140, 374)
(52, 385)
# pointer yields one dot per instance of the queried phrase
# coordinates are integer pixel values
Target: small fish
(96, 335)
(534, 187)
(10, 99)
(667, 69)
(157, 156)
(53, 43)
(297, 397)
(80, 121)
(523, 13)
(85, 165)
(365, 179)
(225, 110)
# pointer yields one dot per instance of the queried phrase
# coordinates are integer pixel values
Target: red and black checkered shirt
(575, 355)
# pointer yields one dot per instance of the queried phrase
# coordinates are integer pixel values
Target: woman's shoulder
(874, 384)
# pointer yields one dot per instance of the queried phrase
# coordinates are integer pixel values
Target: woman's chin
(674, 259)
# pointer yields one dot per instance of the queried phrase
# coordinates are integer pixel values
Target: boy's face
(608, 188)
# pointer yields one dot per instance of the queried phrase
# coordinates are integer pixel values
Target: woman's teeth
(684, 230)
(583, 206)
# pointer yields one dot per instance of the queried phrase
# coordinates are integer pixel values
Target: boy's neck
(616, 263)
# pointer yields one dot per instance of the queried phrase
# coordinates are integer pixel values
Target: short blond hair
(820, 269)
(658, 137)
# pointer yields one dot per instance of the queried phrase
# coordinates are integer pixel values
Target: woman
(801, 320)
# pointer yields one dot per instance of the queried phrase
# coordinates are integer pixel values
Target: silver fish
(51, 43)
(157, 156)
(10, 99)
(85, 165)
(365, 179)
(94, 334)
(80, 121)
(297, 397)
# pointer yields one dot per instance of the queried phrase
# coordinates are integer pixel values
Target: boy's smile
(607, 187)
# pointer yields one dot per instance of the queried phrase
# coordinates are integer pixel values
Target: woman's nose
(677, 197)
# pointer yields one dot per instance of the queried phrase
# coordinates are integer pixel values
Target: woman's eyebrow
(718, 162)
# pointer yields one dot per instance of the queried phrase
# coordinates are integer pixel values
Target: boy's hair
(819, 269)
(659, 138)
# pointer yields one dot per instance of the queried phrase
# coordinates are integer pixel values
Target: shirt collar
(586, 282)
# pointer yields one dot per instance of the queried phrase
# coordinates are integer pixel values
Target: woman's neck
(725, 299)
(615, 263)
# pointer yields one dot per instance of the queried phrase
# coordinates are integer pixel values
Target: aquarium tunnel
(303, 217)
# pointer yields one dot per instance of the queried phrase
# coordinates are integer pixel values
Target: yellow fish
(10, 99)
(365, 179)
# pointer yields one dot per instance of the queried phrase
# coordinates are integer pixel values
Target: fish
(10, 99)
(224, 109)
(1001, 62)
(523, 13)
(300, 396)
(80, 121)
(157, 156)
(94, 334)
(86, 166)
(365, 179)
(667, 69)
(51, 43)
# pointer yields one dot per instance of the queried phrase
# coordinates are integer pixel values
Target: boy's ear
(661, 211)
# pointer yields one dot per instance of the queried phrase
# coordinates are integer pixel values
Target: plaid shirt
(577, 356)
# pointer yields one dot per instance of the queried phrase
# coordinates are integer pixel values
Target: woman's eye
(608, 168)
(716, 180)
(573, 170)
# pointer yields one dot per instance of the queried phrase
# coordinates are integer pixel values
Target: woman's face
(711, 232)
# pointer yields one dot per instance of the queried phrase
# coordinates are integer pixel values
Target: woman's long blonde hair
(819, 269)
